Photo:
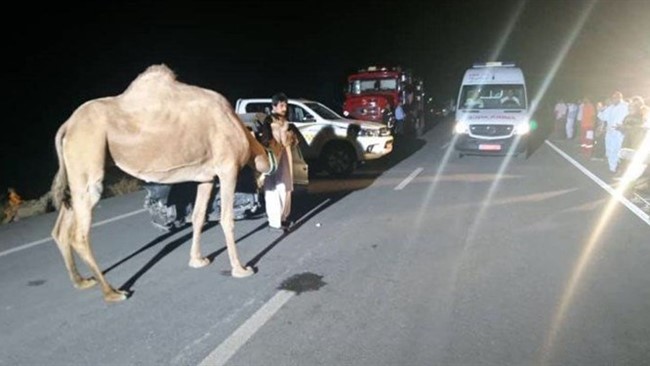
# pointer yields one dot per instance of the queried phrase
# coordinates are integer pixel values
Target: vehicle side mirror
(308, 118)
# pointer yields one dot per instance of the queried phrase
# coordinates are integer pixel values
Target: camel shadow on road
(323, 192)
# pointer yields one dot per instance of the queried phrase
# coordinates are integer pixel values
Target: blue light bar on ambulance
(493, 64)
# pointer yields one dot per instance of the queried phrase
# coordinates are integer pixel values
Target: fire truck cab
(373, 94)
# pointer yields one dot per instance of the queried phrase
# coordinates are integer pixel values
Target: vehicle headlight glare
(522, 128)
(461, 127)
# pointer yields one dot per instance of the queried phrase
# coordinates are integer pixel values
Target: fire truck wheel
(339, 159)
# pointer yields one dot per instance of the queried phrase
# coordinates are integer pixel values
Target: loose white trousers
(277, 191)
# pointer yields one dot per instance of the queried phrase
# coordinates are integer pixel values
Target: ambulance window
(510, 96)
(472, 98)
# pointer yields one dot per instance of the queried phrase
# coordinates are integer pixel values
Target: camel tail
(60, 191)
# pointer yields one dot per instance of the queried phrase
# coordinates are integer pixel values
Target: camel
(202, 136)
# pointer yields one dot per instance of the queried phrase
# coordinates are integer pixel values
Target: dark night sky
(62, 55)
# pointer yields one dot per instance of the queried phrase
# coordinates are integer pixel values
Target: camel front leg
(198, 219)
(227, 192)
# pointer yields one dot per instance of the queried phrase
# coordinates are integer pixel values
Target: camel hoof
(241, 272)
(115, 296)
(85, 283)
(199, 262)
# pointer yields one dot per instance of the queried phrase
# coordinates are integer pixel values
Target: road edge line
(630, 206)
(45, 240)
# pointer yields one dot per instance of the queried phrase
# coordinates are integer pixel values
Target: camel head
(264, 159)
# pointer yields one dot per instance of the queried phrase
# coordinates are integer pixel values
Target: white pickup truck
(327, 139)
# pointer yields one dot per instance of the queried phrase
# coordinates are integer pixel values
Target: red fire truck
(373, 94)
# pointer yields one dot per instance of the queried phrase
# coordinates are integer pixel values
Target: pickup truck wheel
(339, 159)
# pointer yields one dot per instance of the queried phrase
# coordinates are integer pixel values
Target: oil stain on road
(303, 282)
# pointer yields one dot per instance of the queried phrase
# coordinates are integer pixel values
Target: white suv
(336, 143)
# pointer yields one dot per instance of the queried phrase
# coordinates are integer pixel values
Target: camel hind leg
(62, 234)
(83, 201)
(82, 152)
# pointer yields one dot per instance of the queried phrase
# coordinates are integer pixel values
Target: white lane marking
(445, 145)
(622, 199)
(25, 246)
(45, 240)
(408, 179)
(220, 355)
(230, 346)
(124, 216)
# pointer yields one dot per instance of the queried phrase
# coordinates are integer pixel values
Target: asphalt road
(421, 258)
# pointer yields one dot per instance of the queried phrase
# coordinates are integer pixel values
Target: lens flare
(505, 36)
(584, 258)
(434, 184)
(591, 245)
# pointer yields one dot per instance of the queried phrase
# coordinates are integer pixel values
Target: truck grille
(491, 130)
(366, 113)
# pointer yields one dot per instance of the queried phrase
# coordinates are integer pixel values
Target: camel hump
(157, 73)
(154, 78)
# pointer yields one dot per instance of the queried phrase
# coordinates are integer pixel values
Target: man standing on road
(587, 118)
(613, 116)
(571, 115)
(279, 185)
(400, 119)
(560, 118)
(598, 152)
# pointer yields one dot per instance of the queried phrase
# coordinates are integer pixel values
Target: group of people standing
(585, 113)
(407, 115)
(606, 129)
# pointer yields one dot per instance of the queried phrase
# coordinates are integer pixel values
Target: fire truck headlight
(461, 127)
(522, 128)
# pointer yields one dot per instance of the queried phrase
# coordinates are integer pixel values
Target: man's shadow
(305, 213)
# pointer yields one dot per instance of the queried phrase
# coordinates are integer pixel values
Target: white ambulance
(492, 115)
